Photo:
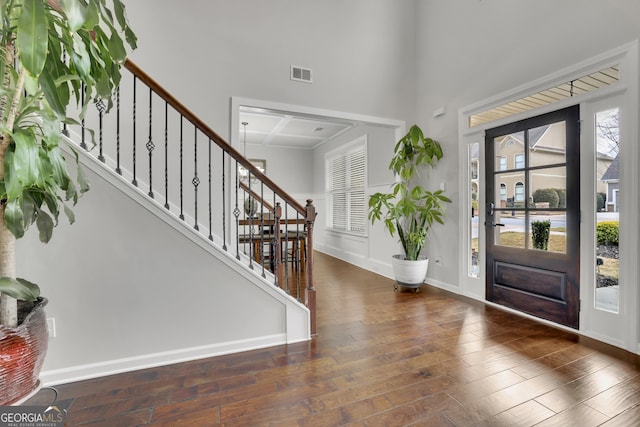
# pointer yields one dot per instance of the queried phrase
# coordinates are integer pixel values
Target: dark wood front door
(533, 176)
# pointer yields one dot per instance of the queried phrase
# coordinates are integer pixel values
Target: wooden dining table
(264, 237)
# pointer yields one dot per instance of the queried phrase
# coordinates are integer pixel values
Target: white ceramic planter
(409, 273)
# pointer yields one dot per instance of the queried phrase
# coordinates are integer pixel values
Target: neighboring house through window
(503, 163)
(346, 181)
(612, 179)
(503, 192)
(519, 192)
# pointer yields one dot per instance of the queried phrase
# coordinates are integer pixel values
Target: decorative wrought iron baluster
(166, 155)
(195, 181)
(65, 128)
(275, 243)
(262, 226)
(134, 181)
(83, 142)
(181, 168)
(224, 209)
(298, 256)
(150, 145)
(101, 107)
(210, 210)
(118, 169)
(236, 213)
(285, 255)
(248, 210)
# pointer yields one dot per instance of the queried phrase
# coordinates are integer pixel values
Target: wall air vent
(301, 74)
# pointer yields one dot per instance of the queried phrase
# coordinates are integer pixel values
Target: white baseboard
(442, 285)
(95, 370)
(370, 264)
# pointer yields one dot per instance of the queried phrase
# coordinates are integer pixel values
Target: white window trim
(505, 166)
(357, 144)
(517, 185)
(515, 161)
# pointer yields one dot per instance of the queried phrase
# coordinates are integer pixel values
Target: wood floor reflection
(381, 358)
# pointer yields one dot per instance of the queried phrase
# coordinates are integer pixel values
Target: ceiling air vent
(301, 74)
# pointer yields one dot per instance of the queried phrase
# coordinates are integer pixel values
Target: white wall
(374, 251)
(291, 169)
(131, 286)
(206, 51)
(471, 50)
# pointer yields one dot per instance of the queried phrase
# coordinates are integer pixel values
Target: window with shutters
(346, 182)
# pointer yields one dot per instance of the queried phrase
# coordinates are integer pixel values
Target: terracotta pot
(22, 352)
(409, 273)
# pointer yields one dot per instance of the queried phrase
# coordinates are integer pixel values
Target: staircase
(173, 159)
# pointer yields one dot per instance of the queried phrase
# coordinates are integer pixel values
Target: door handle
(498, 224)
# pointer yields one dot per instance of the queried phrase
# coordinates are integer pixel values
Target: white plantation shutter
(346, 183)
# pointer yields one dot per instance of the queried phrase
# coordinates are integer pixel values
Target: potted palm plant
(52, 53)
(409, 209)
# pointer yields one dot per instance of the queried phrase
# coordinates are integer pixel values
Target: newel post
(310, 292)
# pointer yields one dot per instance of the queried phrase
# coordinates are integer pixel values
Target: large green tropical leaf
(26, 160)
(76, 13)
(32, 39)
(29, 208)
(12, 187)
(54, 80)
(69, 213)
(45, 226)
(116, 46)
(59, 166)
(82, 180)
(81, 58)
(14, 218)
(19, 289)
(92, 18)
(57, 99)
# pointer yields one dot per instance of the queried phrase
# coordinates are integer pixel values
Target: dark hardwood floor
(381, 358)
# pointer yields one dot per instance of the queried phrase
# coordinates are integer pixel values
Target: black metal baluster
(65, 129)
(236, 213)
(181, 169)
(83, 143)
(210, 211)
(262, 227)
(248, 208)
(101, 107)
(118, 170)
(195, 181)
(224, 209)
(150, 145)
(273, 238)
(166, 155)
(134, 181)
(298, 258)
(285, 256)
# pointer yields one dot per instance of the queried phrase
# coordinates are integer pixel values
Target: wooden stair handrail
(211, 134)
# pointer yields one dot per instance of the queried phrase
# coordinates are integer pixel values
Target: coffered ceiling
(288, 130)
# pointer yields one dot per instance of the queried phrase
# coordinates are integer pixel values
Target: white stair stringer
(60, 367)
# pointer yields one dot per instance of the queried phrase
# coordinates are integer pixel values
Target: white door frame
(626, 57)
